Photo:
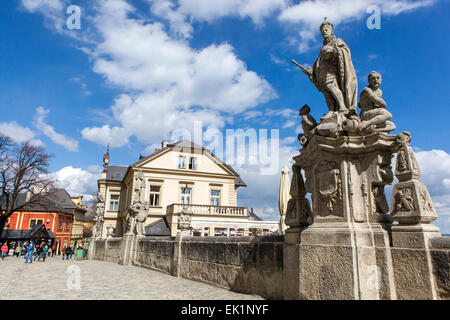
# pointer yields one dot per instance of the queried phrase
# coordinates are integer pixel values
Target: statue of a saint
(333, 73)
(99, 213)
(139, 186)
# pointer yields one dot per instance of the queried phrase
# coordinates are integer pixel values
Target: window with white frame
(181, 162)
(215, 197)
(185, 195)
(114, 202)
(155, 192)
(193, 163)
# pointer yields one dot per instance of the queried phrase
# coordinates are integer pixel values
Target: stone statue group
(333, 74)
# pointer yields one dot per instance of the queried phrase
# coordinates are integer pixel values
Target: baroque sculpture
(138, 211)
(333, 73)
(346, 160)
(99, 216)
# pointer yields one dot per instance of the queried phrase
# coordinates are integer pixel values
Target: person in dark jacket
(38, 252)
(68, 253)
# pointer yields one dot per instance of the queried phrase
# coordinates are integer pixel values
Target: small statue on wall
(99, 216)
(139, 185)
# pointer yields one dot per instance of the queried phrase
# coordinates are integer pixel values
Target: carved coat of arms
(328, 183)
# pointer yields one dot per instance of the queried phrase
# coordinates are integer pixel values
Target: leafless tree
(24, 180)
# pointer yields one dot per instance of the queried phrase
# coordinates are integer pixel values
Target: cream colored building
(177, 176)
(78, 222)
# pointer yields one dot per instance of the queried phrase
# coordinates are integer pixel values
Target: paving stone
(100, 280)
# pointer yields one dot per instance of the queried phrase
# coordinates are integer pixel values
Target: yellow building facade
(179, 176)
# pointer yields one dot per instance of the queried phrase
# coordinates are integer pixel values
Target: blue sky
(138, 69)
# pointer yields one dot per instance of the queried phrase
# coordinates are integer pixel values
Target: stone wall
(243, 264)
(113, 252)
(155, 253)
(440, 255)
(254, 265)
(251, 265)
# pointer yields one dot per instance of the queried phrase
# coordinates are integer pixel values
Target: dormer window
(193, 163)
(182, 162)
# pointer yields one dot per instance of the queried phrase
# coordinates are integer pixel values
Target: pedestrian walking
(38, 253)
(72, 250)
(63, 252)
(4, 250)
(29, 254)
(68, 253)
(18, 250)
(44, 253)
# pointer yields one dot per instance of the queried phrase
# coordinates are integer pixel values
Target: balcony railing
(200, 209)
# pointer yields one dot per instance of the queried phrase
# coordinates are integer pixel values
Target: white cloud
(308, 15)
(49, 131)
(169, 85)
(78, 181)
(19, 134)
(261, 192)
(180, 13)
(289, 124)
(435, 170)
(82, 85)
(52, 10)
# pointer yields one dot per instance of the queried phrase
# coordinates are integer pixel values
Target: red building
(56, 215)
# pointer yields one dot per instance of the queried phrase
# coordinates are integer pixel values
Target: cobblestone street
(99, 280)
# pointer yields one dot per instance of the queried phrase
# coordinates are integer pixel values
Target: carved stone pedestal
(345, 252)
(413, 209)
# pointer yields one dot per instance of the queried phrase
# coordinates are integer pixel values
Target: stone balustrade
(200, 209)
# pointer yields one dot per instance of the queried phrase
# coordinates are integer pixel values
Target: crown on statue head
(325, 23)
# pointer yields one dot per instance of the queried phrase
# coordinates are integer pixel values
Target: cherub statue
(374, 115)
(308, 122)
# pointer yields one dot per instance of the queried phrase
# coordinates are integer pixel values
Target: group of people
(35, 251)
(39, 251)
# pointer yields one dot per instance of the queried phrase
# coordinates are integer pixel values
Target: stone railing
(200, 209)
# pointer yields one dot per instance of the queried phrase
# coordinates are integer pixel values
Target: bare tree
(24, 178)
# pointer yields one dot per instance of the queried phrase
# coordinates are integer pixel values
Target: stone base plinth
(339, 261)
(412, 261)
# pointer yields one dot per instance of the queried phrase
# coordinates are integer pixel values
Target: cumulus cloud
(435, 169)
(308, 15)
(305, 16)
(182, 13)
(19, 134)
(49, 131)
(168, 84)
(262, 191)
(78, 181)
(52, 10)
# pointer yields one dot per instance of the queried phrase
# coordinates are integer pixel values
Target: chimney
(164, 144)
(141, 157)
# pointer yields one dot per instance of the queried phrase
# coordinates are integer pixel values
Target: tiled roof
(57, 200)
(158, 228)
(26, 234)
(115, 173)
